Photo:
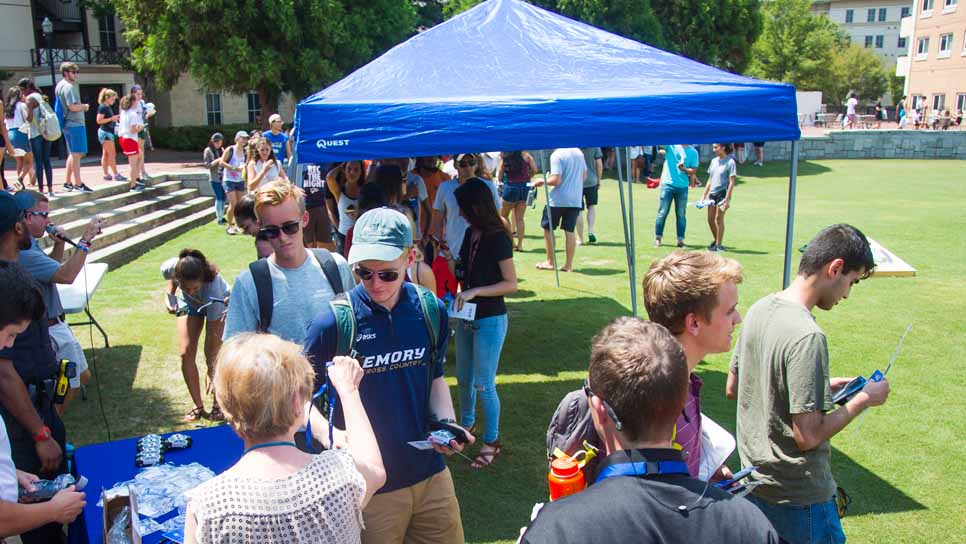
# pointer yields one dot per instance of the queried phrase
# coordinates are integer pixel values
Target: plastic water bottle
(44, 490)
(565, 478)
(703, 203)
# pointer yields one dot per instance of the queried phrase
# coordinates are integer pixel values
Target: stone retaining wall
(867, 144)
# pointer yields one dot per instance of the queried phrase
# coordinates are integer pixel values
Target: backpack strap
(429, 307)
(345, 324)
(330, 269)
(262, 277)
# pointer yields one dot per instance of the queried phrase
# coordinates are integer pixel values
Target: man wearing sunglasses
(51, 270)
(637, 385)
(404, 385)
(300, 288)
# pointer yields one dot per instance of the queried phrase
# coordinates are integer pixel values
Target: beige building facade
(935, 65)
(97, 46)
(873, 24)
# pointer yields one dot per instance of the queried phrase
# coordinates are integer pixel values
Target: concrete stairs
(133, 222)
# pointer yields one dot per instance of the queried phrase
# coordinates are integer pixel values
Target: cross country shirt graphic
(394, 352)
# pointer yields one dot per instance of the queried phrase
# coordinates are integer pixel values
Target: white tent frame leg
(790, 219)
(549, 214)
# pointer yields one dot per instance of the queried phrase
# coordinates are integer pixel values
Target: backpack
(570, 426)
(262, 278)
(46, 122)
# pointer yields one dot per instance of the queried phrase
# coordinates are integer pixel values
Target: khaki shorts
(426, 512)
(318, 230)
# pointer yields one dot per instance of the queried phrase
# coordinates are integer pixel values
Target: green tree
(854, 69)
(270, 47)
(795, 46)
(719, 33)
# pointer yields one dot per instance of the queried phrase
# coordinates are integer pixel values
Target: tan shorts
(318, 230)
(426, 512)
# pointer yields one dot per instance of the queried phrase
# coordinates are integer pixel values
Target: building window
(868, 42)
(922, 48)
(927, 8)
(901, 44)
(870, 17)
(213, 106)
(254, 107)
(961, 102)
(945, 45)
(917, 101)
(849, 15)
(882, 14)
(879, 41)
(905, 13)
(949, 5)
(938, 102)
(107, 32)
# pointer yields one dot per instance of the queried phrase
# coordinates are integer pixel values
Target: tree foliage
(719, 33)
(270, 46)
(854, 69)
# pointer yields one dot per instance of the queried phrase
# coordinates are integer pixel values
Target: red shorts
(128, 146)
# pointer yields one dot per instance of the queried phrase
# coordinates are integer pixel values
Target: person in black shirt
(318, 233)
(106, 121)
(636, 387)
(486, 273)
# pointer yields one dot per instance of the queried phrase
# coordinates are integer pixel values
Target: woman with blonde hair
(127, 137)
(106, 121)
(276, 492)
(262, 166)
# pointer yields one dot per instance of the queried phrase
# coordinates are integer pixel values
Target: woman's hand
(463, 297)
(345, 375)
(724, 205)
(26, 480)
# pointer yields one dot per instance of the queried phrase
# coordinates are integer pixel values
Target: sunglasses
(610, 411)
(385, 275)
(271, 233)
(45, 215)
(469, 162)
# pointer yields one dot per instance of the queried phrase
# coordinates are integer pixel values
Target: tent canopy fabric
(508, 75)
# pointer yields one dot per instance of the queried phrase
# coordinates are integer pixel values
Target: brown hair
(256, 379)
(640, 370)
(125, 102)
(276, 192)
(193, 266)
(686, 282)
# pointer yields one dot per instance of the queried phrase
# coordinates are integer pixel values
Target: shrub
(192, 138)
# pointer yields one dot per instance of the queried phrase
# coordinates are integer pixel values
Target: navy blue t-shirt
(278, 144)
(393, 349)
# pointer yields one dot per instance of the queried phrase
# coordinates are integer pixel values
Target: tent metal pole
(620, 191)
(790, 220)
(630, 228)
(546, 193)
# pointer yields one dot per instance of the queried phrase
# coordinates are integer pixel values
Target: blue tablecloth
(106, 464)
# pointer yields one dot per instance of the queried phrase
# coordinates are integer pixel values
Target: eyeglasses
(384, 275)
(610, 411)
(272, 232)
(45, 215)
(468, 162)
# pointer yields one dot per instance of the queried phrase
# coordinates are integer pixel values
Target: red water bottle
(565, 478)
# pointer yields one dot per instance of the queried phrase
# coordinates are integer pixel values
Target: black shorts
(318, 230)
(718, 196)
(590, 196)
(565, 218)
(759, 144)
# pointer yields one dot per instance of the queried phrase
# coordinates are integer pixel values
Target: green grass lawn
(902, 465)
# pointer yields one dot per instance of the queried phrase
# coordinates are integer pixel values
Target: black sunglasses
(271, 233)
(610, 411)
(38, 214)
(469, 162)
(385, 275)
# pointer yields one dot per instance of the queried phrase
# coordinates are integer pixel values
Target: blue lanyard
(643, 468)
(308, 422)
(268, 445)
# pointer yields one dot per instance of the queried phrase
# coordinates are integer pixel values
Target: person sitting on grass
(203, 304)
(276, 492)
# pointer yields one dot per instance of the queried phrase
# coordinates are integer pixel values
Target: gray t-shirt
(42, 268)
(299, 295)
(68, 94)
(781, 360)
(591, 154)
(454, 225)
(568, 163)
(206, 300)
(720, 172)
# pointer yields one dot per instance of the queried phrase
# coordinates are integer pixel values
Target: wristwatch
(43, 434)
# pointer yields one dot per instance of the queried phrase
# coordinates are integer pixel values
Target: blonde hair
(276, 192)
(256, 379)
(105, 95)
(686, 282)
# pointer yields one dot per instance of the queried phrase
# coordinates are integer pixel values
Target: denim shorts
(718, 196)
(515, 192)
(76, 138)
(235, 187)
(18, 140)
(103, 136)
(803, 524)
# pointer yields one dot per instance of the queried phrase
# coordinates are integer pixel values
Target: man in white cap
(402, 353)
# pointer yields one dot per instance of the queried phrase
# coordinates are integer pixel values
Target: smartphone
(740, 475)
(849, 390)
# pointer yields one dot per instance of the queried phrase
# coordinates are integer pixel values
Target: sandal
(195, 414)
(486, 458)
(215, 414)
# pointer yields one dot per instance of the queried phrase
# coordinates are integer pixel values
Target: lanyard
(308, 421)
(268, 445)
(643, 468)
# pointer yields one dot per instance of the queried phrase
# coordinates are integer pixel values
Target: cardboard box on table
(113, 505)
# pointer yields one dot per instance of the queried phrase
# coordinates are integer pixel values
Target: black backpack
(570, 426)
(263, 284)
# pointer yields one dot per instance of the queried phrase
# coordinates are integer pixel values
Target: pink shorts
(128, 146)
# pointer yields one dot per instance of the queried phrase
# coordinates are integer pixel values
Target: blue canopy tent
(508, 75)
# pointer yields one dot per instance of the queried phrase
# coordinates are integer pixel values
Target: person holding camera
(203, 305)
(402, 350)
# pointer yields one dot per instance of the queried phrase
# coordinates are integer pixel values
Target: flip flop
(544, 266)
(195, 414)
(486, 458)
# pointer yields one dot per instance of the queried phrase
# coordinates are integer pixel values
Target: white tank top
(345, 220)
(271, 175)
(19, 117)
(237, 160)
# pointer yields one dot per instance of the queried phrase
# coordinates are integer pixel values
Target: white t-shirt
(8, 473)
(129, 120)
(851, 104)
(569, 164)
(455, 226)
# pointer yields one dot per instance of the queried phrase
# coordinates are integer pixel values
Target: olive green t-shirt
(781, 360)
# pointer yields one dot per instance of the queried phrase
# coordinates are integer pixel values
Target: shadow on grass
(521, 293)
(780, 168)
(112, 390)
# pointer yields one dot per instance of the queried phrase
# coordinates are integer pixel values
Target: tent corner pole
(630, 229)
(627, 240)
(549, 214)
(790, 219)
